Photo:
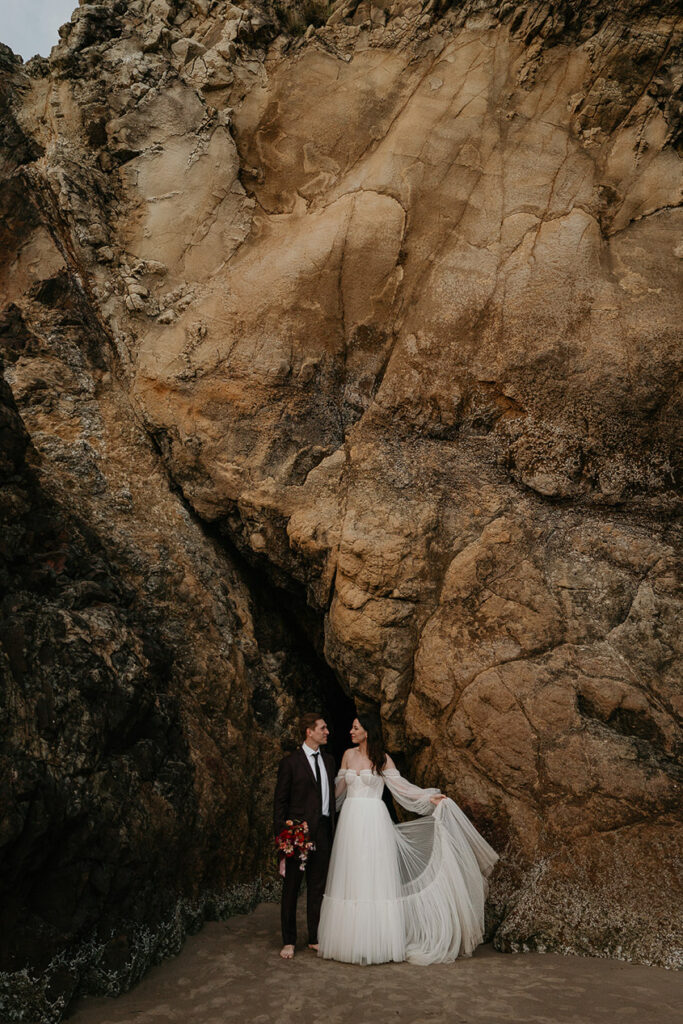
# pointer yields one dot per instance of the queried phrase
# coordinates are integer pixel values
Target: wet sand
(231, 971)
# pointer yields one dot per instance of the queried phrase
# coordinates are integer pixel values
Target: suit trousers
(316, 875)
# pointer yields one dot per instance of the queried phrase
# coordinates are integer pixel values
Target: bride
(413, 891)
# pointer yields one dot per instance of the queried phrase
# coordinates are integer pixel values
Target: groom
(305, 792)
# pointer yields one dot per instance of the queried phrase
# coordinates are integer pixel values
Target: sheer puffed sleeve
(340, 789)
(409, 796)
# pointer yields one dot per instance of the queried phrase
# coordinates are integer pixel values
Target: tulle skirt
(414, 891)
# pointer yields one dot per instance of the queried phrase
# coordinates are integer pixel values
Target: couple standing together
(413, 891)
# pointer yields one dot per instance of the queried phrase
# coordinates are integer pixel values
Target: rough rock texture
(146, 682)
(350, 333)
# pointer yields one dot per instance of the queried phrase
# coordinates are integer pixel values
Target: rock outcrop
(346, 341)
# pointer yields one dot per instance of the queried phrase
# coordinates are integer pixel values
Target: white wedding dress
(413, 891)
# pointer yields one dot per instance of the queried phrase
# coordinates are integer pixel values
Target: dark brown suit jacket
(296, 791)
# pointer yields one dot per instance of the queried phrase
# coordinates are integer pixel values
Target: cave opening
(292, 633)
(289, 630)
(290, 637)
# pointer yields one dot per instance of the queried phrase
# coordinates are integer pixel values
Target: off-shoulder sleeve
(409, 796)
(340, 789)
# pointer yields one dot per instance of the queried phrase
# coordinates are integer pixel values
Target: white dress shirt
(323, 774)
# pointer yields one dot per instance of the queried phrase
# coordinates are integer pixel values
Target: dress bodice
(363, 785)
(367, 784)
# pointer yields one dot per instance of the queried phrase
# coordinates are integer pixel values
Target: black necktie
(317, 776)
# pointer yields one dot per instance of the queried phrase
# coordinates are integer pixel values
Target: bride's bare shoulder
(347, 755)
(389, 764)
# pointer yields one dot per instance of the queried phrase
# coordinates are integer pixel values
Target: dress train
(413, 891)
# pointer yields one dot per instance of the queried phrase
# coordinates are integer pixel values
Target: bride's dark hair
(377, 752)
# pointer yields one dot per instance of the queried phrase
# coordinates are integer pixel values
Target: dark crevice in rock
(640, 728)
(286, 626)
(287, 630)
(16, 337)
(622, 720)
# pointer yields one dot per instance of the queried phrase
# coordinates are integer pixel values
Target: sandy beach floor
(231, 971)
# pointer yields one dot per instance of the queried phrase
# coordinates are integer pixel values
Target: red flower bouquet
(293, 841)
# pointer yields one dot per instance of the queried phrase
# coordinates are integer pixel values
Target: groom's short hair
(307, 722)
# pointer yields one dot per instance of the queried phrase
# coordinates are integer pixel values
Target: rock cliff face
(345, 340)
